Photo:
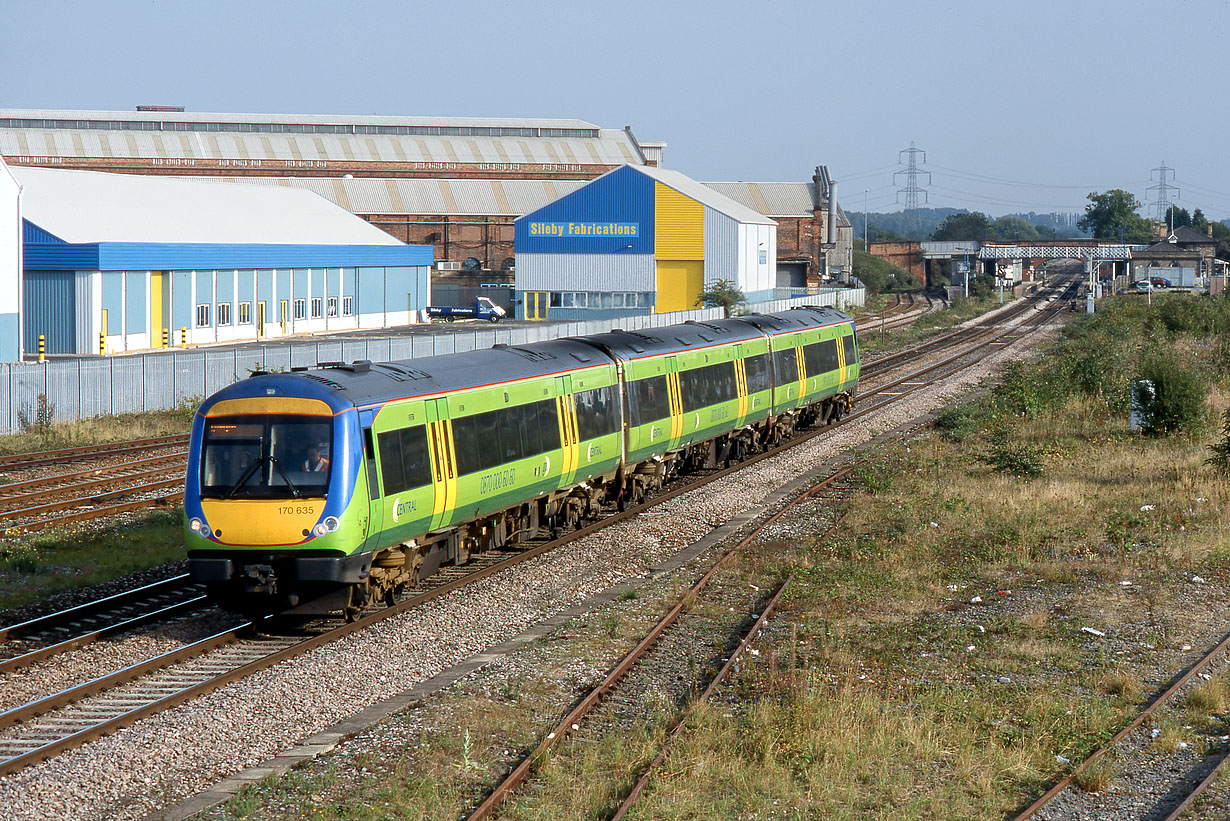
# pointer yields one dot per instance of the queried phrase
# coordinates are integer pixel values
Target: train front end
(273, 524)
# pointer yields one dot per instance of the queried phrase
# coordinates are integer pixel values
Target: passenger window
(648, 400)
(850, 349)
(391, 470)
(756, 368)
(597, 414)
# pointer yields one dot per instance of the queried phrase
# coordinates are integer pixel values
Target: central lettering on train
(585, 229)
(401, 508)
(498, 480)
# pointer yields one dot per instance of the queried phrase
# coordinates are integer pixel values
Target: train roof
(687, 336)
(796, 319)
(371, 383)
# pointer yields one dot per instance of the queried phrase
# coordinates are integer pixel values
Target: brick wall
(489, 239)
(907, 255)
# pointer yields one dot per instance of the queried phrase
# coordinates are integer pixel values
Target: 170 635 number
(297, 510)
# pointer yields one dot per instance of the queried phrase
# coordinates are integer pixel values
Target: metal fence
(84, 388)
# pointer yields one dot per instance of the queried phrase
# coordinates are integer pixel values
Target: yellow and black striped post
(183, 337)
(102, 343)
(166, 337)
(42, 348)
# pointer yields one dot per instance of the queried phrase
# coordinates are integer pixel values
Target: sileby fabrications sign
(585, 229)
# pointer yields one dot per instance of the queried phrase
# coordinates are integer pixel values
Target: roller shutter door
(50, 309)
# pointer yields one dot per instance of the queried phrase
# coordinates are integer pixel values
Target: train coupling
(258, 578)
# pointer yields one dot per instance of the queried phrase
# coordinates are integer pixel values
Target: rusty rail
(1140, 719)
(523, 770)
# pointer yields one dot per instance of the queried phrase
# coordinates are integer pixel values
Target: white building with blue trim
(119, 262)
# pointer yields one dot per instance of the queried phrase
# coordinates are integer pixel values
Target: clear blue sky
(1022, 106)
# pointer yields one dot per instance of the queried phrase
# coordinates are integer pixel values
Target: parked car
(1142, 286)
(1160, 282)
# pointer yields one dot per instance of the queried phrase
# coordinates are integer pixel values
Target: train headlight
(197, 526)
(331, 524)
(320, 529)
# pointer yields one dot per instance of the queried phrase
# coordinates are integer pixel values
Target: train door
(443, 463)
(566, 408)
(375, 514)
(841, 362)
(741, 384)
(675, 395)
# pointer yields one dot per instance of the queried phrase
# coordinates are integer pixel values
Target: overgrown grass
(929, 660)
(36, 566)
(51, 435)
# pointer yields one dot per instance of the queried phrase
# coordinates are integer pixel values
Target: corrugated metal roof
(90, 207)
(774, 199)
(610, 148)
(777, 199)
(332, 119)
(705, 195)
(376, 195)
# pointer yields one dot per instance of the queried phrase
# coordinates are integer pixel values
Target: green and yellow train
(321, 490)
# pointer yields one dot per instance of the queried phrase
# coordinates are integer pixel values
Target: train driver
(314, 461)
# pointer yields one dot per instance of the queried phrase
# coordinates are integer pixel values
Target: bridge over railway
(993, 255)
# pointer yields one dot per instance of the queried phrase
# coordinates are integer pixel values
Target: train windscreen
(266, 457)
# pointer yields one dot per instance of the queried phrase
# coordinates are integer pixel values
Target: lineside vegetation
(930, 660)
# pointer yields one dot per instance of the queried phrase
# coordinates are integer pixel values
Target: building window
(347, 306)
(300, 309)
(315, 307)
(332, 306)
(245, 313)
(224, 313)
(202, 316)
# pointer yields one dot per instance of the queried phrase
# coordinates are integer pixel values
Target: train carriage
(317, 491)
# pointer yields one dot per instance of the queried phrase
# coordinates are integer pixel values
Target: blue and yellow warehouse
(639, 239)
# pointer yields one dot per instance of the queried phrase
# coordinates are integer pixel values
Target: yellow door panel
(679, 285)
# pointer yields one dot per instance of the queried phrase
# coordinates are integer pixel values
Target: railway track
(1172, 787)
(21, 461)
(38, 639)
(47, 726)
(600, 711)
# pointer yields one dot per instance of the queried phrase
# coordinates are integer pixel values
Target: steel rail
(71, 695)
(641, 783)
(1198, 790)
(18, 490)
(163, 613)
(49, 457)
(97, 513)
(88, 609)
(1066, 781)
(81, 501)
(562, 729)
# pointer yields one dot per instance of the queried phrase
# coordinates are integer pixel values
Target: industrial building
(454, 183)
(120, 262)
(169, 140)
(639, 240)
